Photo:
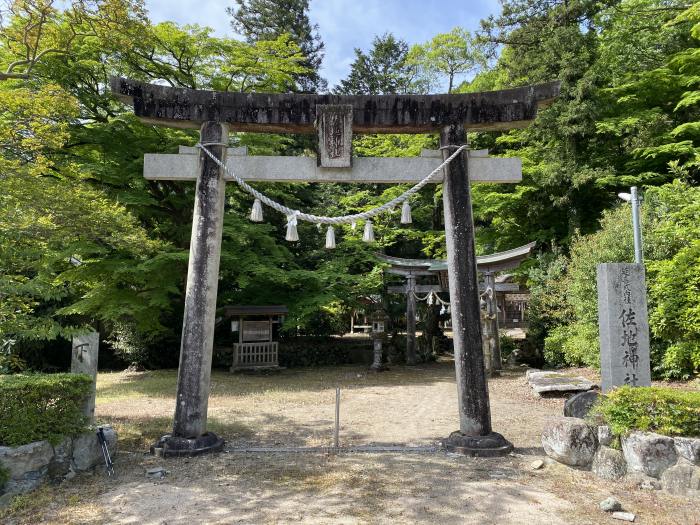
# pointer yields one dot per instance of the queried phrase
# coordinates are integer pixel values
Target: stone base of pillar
(489, 446)
(172, 446)
(378, 368)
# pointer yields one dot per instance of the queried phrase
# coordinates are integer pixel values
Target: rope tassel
(292, 234)
(330, 238)
(406, 213)
(256, 214)
(369, 232)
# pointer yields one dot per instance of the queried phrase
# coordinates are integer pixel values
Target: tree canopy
(263, 20)
(72, 189)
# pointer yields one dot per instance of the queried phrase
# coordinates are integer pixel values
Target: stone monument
(624, 325)
(85, 349)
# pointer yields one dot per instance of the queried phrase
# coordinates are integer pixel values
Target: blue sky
(346, 24)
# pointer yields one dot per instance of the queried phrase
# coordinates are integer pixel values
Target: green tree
(571, 170)
(382, 70)
(29, 33)
(48, 216)
(261, 20)
(447, 55)
(565, 297)
(652, 122)
(83, 146)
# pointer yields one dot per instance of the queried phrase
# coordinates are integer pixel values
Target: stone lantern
(378, 334)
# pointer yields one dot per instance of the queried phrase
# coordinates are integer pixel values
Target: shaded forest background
(71, 162)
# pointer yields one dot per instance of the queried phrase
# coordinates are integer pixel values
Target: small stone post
(492, 321)
(190, 427)
(377, 354)
(486, 340)
(378, 335)
(85, 351)
(475, 436)
(624, 326)
(411, 356)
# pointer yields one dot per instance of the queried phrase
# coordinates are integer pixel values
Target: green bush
(564, 305)
(675, 318)
(574, 345)
(34, 407)
(664, 410)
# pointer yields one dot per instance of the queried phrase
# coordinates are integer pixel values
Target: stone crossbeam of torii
(334, 118)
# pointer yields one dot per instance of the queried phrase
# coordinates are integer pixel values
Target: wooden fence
(255, 355)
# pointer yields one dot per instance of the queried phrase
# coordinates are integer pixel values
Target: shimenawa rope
(343, 219)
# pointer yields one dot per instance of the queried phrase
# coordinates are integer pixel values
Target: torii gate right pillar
(475, 436)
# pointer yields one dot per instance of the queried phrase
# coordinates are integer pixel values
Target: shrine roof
(498, 261)
(239, 310)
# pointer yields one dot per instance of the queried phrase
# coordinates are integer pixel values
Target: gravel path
(412, 406)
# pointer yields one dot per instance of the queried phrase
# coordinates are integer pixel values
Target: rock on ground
(610, 505)
(624, 516)
(648, 453)
(579, 405)
(537, 464)
(31, 464)
(642, 481)
(87, 452)
(28, 465)
(570, 440)
(550, 381)
(682, 480)
(688, 449)
(609, 463)
(156, 473)
(60, 464)
(25, 458)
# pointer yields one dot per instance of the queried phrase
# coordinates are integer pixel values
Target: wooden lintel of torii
(371, 170)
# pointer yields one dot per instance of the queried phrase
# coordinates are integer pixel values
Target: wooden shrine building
(256, 328)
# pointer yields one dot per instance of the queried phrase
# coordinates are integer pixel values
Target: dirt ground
(408, 406)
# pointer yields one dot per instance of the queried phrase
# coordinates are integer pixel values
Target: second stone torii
(488, 265)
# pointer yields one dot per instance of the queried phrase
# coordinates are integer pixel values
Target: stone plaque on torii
(337, 116)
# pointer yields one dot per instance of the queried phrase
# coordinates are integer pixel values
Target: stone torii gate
(335, 118)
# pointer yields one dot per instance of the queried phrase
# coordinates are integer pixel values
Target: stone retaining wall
(649, 459)
(31, 464)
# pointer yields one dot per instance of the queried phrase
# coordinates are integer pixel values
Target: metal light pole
(636, 223)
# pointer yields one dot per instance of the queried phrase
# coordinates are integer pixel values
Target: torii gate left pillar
(451, 115)
(190, 434)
